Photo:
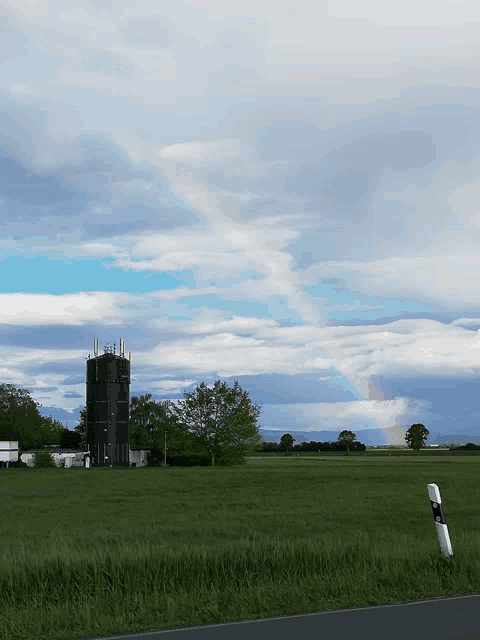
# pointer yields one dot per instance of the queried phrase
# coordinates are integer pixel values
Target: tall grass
(99, 551)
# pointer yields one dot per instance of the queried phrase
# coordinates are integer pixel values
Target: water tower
(108, 400)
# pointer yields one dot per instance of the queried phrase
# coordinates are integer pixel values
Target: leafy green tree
(222, 419)
(416, 436)
(149, 421)
(238, 413)
(14, 414)
(81, 428)
(20, 420)
(143, 420)
(286, 441)
(70, 439)
(53, 432)
(347, 437)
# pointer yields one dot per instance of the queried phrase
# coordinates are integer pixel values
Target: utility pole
(165, 451)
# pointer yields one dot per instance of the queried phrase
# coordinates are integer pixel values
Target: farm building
(75, 458)
(62, 457)
(8, 452)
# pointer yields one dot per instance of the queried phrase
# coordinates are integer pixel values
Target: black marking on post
(437, 512)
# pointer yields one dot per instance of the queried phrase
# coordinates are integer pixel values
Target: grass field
(87, 552)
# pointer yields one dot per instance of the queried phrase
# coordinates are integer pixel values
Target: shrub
(18, 464)
(155, 457)
(192, 460)
(228, 458)
(44, 460)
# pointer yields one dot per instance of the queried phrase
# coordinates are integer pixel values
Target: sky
(280, 193)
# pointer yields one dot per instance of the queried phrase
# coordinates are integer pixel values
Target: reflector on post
(440, 524)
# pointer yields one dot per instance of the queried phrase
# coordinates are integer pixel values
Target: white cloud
(200, 153)
(265, 150)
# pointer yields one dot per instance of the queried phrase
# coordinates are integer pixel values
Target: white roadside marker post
(440, 524)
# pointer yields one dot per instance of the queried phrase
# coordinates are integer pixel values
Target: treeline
(312, 446)
(470, 446)
(20, 420)
(211, 426)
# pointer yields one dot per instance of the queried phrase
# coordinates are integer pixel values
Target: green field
(87, 552)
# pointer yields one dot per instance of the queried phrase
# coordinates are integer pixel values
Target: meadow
(87, 552)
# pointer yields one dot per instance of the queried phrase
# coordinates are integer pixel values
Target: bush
(229, 457)
(18, 464)
(192, 460)
(44, 460)
(155, 457)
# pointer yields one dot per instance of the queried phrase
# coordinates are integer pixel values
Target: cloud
(272, 190)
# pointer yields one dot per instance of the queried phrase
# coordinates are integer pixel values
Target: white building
(63, 457)
(8, 452)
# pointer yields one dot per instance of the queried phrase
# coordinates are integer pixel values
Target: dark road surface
(437, 619)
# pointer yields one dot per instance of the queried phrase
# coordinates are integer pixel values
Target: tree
(287, 442)
(416, 436)
(81, 428)
(238, 411)
(53, 432)
(14, 410)
(70, 439)
(148, 423)
(142, 414)
(20, 419)
(222, 419)
(347, 437)
(241, 418)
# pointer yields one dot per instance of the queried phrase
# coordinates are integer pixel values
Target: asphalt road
(448, 618)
